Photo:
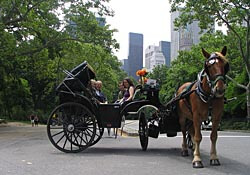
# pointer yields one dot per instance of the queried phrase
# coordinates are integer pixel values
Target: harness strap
(188, 104)
(205, 97)
(219, 77)
(182, 95)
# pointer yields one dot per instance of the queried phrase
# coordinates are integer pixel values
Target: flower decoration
(142, 73)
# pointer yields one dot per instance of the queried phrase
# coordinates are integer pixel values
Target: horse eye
(212, 61)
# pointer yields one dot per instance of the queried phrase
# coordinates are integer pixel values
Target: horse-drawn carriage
(79, 121)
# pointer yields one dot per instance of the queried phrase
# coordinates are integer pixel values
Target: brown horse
(207, 92)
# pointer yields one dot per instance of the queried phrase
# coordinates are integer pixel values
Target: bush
(235, 124)
(18, 113)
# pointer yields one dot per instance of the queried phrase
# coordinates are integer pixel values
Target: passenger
(121, 92)
(93, 83)
(100, 96)
(129, 92)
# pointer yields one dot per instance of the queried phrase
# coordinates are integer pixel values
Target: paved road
(27, 151)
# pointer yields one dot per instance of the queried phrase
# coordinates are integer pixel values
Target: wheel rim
(71, 127)
(143, 131)
(98, 134)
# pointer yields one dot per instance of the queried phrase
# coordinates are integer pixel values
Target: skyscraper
(135, 56)
(153, 57)
(165, 48)
(125, 65)
(184, 37)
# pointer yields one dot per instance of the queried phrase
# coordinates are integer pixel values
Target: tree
(36, 41)
(232, 13)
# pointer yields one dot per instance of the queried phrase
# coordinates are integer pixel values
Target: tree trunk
(248, 102)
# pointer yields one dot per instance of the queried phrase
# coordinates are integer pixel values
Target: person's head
(127, 82)
(93, 83)
(98, 85)
(121, 87)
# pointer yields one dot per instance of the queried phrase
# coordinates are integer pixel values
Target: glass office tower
(135, 56)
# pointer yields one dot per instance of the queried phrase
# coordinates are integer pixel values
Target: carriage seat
(137, 92)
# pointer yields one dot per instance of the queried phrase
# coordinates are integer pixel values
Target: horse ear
(224, 51)
(207, 55)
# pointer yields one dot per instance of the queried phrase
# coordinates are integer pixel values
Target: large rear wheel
(143, 131)
(71, 127)
(98, 134)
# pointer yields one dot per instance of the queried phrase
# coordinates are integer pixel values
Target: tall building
(174, 36)
(135, 56)
(101, 21)
(165, 48)
(153, 57)
(183, 38)
(125, 65)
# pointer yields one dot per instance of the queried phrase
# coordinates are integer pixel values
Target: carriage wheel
(98, 134)
(71, 127)
(143, 131)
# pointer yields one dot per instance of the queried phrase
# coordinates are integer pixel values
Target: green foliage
(233, 124)
(234, 14)
(183, 69)
(37, 43)
(189, 63)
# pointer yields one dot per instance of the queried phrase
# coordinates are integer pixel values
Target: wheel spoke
(88, 132)
(65, 141)
(86, 135)
(57, 128)
(57, 134)
(81, 139)
(60, 139)
(76, 138)
(71, 142)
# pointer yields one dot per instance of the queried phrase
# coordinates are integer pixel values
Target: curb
(123, 132)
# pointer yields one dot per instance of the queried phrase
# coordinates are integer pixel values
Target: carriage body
(79, 121)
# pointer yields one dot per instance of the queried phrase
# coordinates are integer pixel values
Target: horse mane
(222, 57)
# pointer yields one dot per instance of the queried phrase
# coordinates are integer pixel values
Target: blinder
(211, 60)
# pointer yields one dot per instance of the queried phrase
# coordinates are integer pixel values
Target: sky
(148, 17)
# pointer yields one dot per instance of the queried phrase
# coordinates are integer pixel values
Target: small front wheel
(143, 131)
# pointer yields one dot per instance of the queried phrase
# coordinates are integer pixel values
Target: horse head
(216, 67)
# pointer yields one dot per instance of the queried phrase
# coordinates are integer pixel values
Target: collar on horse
(204, 96)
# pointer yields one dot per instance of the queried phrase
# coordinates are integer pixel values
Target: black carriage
(78, 122)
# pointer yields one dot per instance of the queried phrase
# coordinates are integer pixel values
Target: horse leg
(191, 132)
(197, 163)
(184, 151)
(214, 161)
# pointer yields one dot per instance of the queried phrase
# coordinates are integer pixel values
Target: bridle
(211, 81)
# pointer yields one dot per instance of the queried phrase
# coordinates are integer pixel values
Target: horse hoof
(215, 162)
(197, 164)
(184, 153)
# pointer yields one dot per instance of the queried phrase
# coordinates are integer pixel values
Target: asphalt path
(26, 150)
